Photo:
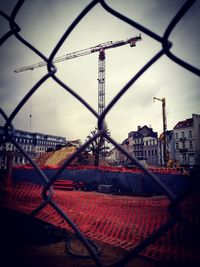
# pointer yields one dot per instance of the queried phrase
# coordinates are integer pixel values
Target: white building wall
(33, 144)
(187, 143)
(196, 120)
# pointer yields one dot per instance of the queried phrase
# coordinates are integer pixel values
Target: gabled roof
(137, 135)
(184, 124)
(147, 131)
(143, 132)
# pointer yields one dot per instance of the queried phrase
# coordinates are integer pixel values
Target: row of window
(39, 136)
(28, 146)
(150, 142)
(183, 135)
(182, 145)
(19, 134)
(151, 153)
(38, 142)
(146, 143)
(147, 153)
(138, 147)
(187, 158)
(137, 141)
(16, 160)
(178, 145)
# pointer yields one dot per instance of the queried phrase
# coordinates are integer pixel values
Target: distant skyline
(56, 112)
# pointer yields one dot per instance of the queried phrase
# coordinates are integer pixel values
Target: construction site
(66, 204)
(70, 207)
(98, 200)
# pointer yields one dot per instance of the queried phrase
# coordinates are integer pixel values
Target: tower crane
(101, 63)
(163, 100)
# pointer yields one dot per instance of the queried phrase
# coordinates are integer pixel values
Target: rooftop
(184, 124)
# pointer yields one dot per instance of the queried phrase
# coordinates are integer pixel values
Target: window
(183, 145)
(183, 134)
(184, 157)
(190, 134)
(177, 145)
(176, 135)
(190, 144)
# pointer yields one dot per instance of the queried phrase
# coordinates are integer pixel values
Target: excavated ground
(27, 242)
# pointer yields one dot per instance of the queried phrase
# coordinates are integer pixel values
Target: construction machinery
(164, 139)
(101, 63)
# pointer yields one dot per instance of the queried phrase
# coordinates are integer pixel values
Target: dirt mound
(59, 156)
(55, 157)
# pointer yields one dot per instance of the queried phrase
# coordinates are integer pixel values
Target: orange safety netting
(121, 221)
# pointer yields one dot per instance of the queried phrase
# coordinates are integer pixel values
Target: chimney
(139, 127)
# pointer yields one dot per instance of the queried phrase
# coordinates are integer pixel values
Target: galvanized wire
(9, 129)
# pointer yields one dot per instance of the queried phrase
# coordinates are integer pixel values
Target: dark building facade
(143, 144)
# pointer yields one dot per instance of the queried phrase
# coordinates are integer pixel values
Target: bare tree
(97, 147)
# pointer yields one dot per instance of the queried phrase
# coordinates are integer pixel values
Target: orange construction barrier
(122, 221)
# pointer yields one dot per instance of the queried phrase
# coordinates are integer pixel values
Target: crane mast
(101, 81)
(101, 63)
(163, 100)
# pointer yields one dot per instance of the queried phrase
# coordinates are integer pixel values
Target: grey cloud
(54, 111)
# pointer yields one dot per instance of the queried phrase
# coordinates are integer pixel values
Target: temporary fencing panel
(121, 221)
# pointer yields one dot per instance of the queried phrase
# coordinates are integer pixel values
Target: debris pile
(57, 157)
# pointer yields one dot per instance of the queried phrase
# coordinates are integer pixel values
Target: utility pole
(164, 128)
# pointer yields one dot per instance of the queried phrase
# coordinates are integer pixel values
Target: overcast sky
(55, 111)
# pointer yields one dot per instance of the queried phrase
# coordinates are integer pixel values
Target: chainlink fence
(47, 200)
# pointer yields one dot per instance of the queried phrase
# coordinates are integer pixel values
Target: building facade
(182, 145)
(143, 144)
(34, 144)
(187, 141)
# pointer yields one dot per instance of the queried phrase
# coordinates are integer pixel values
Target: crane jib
(132, 41)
